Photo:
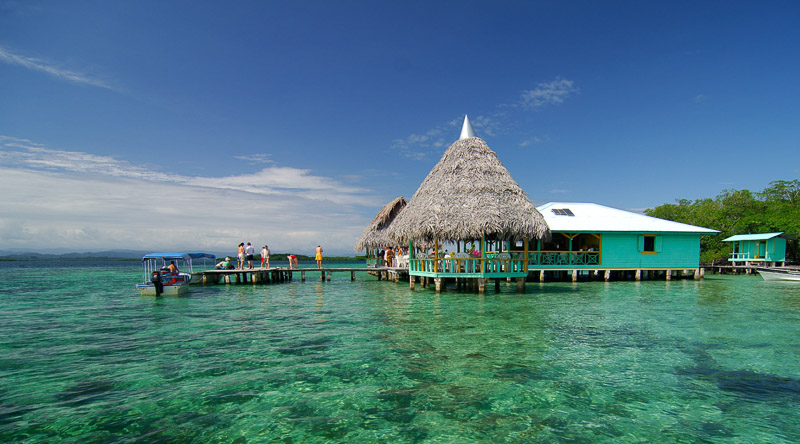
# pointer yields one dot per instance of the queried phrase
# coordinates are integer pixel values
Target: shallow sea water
(84, 358)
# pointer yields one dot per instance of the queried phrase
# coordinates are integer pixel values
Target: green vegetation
(775, 209)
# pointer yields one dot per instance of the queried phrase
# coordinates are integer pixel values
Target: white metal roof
(590, 217)
(742, 237)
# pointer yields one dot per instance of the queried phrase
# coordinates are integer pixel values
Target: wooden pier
(730, 269)
(280, 274)
(260, 276)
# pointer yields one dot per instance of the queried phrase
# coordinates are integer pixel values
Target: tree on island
(775, 209)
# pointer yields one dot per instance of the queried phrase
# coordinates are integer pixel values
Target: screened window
(649, 243)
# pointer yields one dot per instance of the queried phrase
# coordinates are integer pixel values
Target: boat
(158, 279)
(779, 274)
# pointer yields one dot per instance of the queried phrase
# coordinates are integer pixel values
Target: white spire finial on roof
(466, 129)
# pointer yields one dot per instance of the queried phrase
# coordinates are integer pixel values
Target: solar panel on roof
(563, 212)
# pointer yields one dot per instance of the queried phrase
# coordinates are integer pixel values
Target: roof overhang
(746, 237)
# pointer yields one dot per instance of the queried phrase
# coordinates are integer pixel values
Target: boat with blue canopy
(171, 273)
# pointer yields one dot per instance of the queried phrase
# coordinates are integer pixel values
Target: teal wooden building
(588, 236)
(758, 249)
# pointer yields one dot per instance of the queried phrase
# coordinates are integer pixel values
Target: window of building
(649, 243)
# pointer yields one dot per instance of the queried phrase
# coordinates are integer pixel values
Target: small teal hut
(588, 236)
(758, 249)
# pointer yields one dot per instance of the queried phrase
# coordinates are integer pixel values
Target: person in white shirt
(250, 252)
(265, 257)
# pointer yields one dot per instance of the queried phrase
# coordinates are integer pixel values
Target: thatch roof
(374, 235)
(468, 193)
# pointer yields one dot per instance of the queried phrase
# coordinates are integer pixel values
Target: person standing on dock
(389, 256)
(292, 261)
(241, 256)
(318, 257)
(250, 252)
(265, 257)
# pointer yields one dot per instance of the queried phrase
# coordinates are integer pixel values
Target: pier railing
(467, 265)
(374, 262)
(503, 262)
(563, 258)
(748, 257)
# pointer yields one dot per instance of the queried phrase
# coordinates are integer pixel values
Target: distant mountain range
(110, 254)
(124, 255)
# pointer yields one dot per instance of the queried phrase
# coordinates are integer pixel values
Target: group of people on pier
(246, 255)
(398, 257)
(393, 257)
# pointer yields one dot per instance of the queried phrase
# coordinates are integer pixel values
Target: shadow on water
(86, 392)
(754, 386)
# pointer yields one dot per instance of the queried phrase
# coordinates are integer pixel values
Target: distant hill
(110, 254)
(135, 255)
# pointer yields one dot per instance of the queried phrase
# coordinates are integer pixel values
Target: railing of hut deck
(536, 258)
(467, 265)
(503, 262)
(564, 258)
(747, 257)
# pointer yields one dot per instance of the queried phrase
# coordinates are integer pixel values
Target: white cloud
(62, 199)
(432, 143)
(486, 125)
(700, 98)
(51, 69)
(532, 141)
(547, 93)
(256, 158)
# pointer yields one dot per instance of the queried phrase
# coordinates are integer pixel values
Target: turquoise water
(84, 358)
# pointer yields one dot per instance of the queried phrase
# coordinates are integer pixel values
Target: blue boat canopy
(746, 237)
(184, 256)
(202, 256)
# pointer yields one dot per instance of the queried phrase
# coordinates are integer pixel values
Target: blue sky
(197, 125)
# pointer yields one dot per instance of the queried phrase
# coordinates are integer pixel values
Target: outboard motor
(155, 278)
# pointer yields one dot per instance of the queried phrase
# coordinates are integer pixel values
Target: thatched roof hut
(468, 194)
(374, 235)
